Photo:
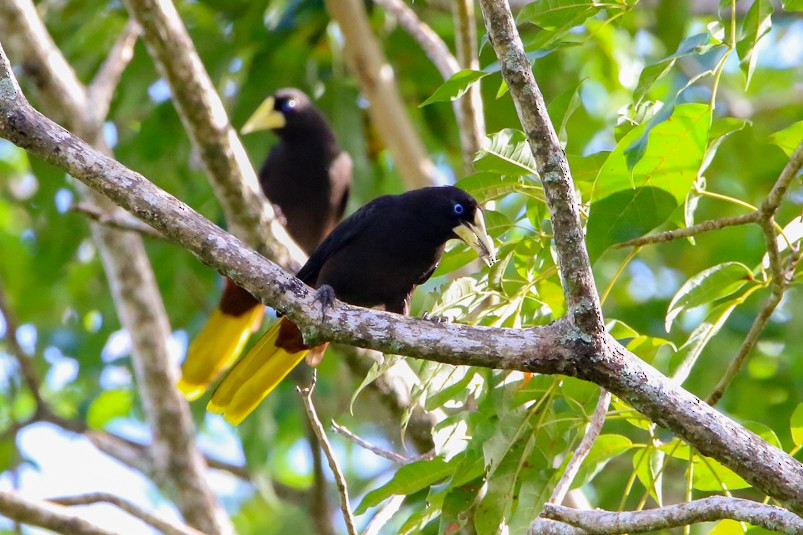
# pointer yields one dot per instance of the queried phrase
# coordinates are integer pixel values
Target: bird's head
(287, 111)
(460, 216)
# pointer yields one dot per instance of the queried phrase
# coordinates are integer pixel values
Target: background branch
(164, 526)
(46, 515)
(378, 84)
(320, 432)
(248, 214)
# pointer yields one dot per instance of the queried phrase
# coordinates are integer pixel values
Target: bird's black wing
(344, 233)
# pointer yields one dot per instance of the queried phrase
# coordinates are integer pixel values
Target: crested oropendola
(307, 177)
(375, 258)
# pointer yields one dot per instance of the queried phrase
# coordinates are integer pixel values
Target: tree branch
(248, 214)
(320, 432)
(101, 90)
(29, 375)
(694, 230)
(378, 84)
(472, 127)
(164, 526)
(46, 515)
(580, 454)
(115, 218)
(467, 109)
(575, 268)
(705, 510)
(554, 348)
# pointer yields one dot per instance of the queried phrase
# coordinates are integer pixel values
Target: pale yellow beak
(265, 118)
(475, 235)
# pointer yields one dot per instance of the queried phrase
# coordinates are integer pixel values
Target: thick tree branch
(180, 468)
(578, 280)
(248, 214)
(378, 84)
(45, 515)
(164, 526)
(554, 348)
(705, 510)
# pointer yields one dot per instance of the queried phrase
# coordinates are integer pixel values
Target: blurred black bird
(307, 177)
(375, 258)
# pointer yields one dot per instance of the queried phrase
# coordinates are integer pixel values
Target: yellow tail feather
(253, 378)
(216, 348)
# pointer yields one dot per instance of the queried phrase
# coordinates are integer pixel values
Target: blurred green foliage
(662, 130)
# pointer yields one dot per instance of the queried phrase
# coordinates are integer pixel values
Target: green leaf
(108, 405)
(696, 44)
(792, 5)
(681, 362)
(605, 448)
(789, 138)
(706, 287)
(552, 14)
(796, 425)
(628, 203)
(647, 464)
(625, 215)
(507, 153)
(487, 186)
(721, 128)
(792, 233)
(562, 108)
(408, 479)
(757, 24)
(710, 475)
(620, 330)
(377, 369)
(455, 87)
(646, 347)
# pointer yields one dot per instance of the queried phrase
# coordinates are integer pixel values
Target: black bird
(307, 177)
(375, 258)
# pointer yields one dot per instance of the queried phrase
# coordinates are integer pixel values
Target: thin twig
(26, 366)
(694, 230)
(780, 276)
(317, 427)
(705, 510)
(164, 526)
(117, 219)
(101, 90)
(46, 515)
(591, 434)
(318, 504)
(753, 334)
(361, 442)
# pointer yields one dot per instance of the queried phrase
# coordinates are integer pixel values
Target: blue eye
(458, 209)
(288, 105)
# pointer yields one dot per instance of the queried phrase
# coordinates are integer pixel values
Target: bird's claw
(325, 295)
(437, 320)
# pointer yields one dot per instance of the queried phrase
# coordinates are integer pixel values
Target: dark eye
(288, 105)
(458, 209)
